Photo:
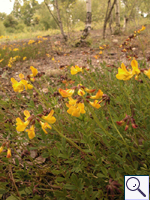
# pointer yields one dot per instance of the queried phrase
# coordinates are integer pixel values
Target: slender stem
(120, 134)
(71, 142)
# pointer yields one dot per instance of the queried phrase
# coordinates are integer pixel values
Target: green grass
(80, 156)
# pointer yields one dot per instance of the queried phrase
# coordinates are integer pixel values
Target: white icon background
(133, 185)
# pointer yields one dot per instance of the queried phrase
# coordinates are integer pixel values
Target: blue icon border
(125, 184)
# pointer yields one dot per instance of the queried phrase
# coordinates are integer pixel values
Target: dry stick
(12, 178)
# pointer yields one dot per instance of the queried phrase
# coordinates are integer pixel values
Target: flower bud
(8, 153)
(126, 128)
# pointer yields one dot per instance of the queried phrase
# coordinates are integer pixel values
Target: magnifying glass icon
(133, 184)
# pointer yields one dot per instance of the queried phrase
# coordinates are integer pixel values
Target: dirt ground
(83, 55)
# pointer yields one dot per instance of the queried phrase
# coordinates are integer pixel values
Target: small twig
(12, 178)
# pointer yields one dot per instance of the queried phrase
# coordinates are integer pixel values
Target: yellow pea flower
(17, 86)
(75, 70)
(147, 73)
(98, 95)
(34, 71)
(21, 126)
(100, 52)
(45, 126)
(31, 132)
(81, 92)
(21, 76)
(143, 28)
(50, 118)
(1, 60)
(81, 107)
(26, 84)
(8, 153)
(95, 104)
(75, 109)
(66, 93)
(24, 58)
(72, 101)
(1, 149)
(101, 47)
(134, 65)
(89, 90)
(27, 114)
(15, 49)
(123, 74)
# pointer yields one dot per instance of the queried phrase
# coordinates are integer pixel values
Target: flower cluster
(124, 74)
(12, 60)
(126, 121)
(19, 86)
(76, 106)
(75, 69)
(30, 119)
(127, 47)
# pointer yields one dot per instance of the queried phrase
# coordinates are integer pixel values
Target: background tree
(88, 15)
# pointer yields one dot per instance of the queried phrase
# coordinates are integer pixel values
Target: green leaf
(17, 161)
(69, 187)
(2, 191)
(60, 179)
(100, 175)
(53, 160)
(40, 108)
(12, 197)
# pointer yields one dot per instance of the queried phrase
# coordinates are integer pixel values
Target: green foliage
(10, 21)
(2, 28)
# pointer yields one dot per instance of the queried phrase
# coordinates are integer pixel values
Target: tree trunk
(108, 14)
(110, 21)
(59, 21)
(125, 23)
(88, 15)
(117, 9)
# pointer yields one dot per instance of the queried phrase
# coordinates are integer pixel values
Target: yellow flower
(21, 76)
(24, 58)
(1, 60)
(101, 47)
(72, 101)
(89, 90)
(27, 114)
(15, 49)
(31, 132)
(143, 28)
(21, 126)
(34, 71)
(17, 86)
(147, 73)
(134, 65)
(31, 41)
(25, 83)
(123, 74)
(1, 149)
(50, 118)
(100, 52)
(66, 93)
(98, 95)
(75, 70)
(95, 104)
(75, 109)
(45, 126)
(8, 153)
(81, 92)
